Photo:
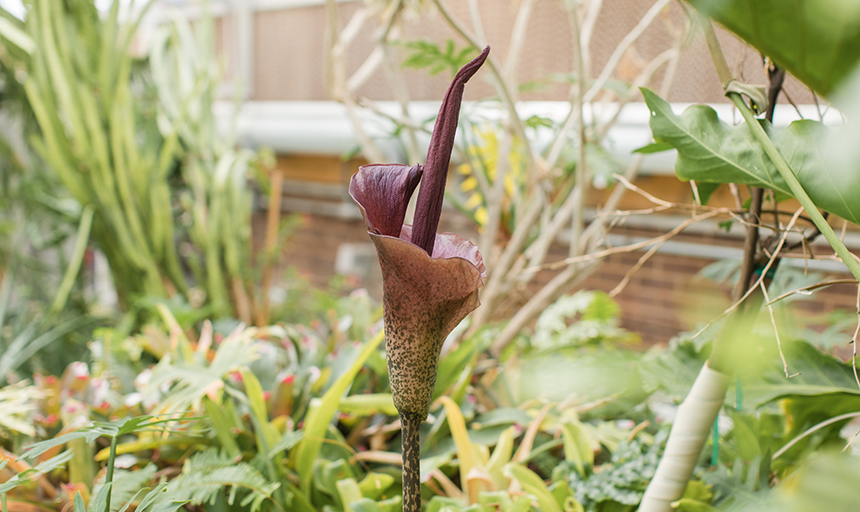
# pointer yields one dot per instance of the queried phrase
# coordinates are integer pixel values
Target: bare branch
(761, 276)
(812, 287)
(854, 340)
(775, 331)
(811, 430)
(614, 59)
(501, 88)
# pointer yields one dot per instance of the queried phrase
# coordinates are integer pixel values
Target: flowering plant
(430, 280)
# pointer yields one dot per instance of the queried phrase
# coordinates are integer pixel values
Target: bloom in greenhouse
(430, 280)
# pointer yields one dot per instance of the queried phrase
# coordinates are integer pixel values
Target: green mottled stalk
(409, 425)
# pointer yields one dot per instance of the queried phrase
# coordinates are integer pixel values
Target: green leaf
(80, 506)
(349, 492)
(745, 441)
(368, 404)
(34, 473)
(364, 505)
(690, 505)
(223, 427)
(824, 482)
(267, 436)
(99, 500)
(34, 450)
(817, 41)
(126, 484)
(205, 474)
(698, 490)
(501, 499)
(427, 54)
(139, 493)
(711, 151)
(27, 344)
(287, 442)
(706, 190)
(329, 474)
(16, 36)
(439, 503)
(152, 497)
(654, 147)
(375, 484)
(817, 374)
(77, 258)
(577, 446)
(322, 411)
(533, 484)
(455, 362)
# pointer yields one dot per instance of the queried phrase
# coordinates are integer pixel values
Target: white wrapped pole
(689, 433)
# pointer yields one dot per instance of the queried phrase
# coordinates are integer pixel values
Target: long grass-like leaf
(322, 411)
(16, 36)
(25, 346)
(77, 258)
(32, 474)
(533, 484)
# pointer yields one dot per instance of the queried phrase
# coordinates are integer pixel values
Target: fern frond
(16, 403)
(207, 472)
(189, 381)
(126, 484)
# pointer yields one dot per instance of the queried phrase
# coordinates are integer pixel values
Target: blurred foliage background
(195, 394)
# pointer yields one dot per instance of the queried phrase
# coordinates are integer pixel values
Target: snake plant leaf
(711, 151)
(817, 41)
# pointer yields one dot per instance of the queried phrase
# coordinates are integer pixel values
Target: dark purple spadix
(429, 206)
(430, 281)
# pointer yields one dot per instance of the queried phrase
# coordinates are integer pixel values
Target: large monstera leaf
(711, 151)
(818, 41)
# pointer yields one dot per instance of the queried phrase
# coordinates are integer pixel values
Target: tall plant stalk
(411, 445)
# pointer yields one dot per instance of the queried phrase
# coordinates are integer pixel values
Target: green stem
(409, 424)
(723, 71)
(75, 263)
(796, 187)
(109, 475)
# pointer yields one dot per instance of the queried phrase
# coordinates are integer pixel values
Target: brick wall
(662, 299)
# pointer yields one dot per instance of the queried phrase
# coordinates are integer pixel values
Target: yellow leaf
(481, 216)
(469, 184)
(473, 202)
(467, 456)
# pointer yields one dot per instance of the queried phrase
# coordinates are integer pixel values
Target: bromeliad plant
(430, 280)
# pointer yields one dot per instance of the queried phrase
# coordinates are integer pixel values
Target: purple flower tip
(429, 206)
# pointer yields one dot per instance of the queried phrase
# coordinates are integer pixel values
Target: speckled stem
(409, 424)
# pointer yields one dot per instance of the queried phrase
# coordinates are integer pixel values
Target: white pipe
(323, 127)
(689, 433)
